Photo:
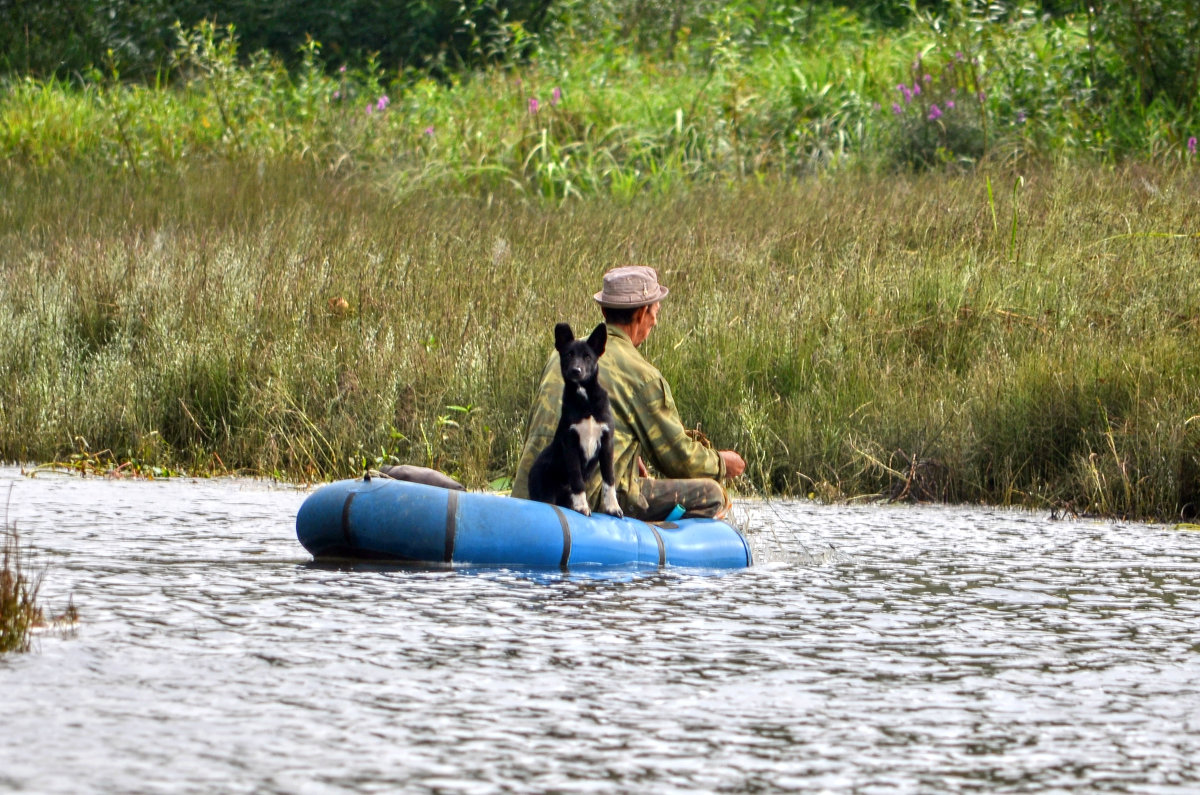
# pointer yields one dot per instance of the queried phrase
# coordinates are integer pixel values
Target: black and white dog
(584, 438)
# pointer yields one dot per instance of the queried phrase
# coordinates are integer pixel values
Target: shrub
(1156, 44)
(72, 36)
(69, 36)
(939, 114)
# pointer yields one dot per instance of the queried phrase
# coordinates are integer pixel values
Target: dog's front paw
(608, 501)
(579, 503)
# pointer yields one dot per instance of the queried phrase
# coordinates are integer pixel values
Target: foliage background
(938, 250)
(658, 92)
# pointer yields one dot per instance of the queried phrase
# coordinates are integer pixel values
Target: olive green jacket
(647, 425)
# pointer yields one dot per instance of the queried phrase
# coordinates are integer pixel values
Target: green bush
(1156, 49)
(940, 114)
(69, 37)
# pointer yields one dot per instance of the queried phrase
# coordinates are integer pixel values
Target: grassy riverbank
(1015, 340)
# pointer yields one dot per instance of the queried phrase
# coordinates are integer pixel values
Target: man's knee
(699, 497)
(704, 497)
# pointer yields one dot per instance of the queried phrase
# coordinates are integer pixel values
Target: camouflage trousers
(698, 497)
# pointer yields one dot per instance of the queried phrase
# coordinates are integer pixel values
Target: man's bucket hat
(631, 286)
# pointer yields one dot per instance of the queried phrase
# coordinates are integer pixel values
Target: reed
(19, 611)
(913, 336)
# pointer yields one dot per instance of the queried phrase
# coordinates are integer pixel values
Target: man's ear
(598, 340)
(563, 336)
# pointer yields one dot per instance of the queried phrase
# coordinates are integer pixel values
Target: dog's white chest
(589, 432)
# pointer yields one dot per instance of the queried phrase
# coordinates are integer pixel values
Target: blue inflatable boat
(383, 519)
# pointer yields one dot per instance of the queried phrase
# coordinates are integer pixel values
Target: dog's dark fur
(584, 438)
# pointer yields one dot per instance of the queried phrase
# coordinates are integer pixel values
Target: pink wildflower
(897, 109)
(928, 79)
(916, 89)
(429, 130)
(934, 112)
(383, 102)
(949, 104)
(1192, 145)
(555, 96)
(534, 105)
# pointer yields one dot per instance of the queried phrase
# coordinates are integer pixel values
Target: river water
(872, 649)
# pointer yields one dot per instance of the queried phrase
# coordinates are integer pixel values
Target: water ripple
(872, 649)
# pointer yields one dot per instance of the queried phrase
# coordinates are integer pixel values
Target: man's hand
(734, 465)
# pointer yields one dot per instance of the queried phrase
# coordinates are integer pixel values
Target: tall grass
(974, 337)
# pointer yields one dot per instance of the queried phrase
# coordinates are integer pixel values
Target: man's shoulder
(631, 381)
(624, 359)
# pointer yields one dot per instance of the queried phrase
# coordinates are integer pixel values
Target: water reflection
(873, 649)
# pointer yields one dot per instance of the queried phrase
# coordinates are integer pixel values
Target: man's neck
(626, 331)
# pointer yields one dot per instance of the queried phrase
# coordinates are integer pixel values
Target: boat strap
(562, 520)
(347, 535)
(451, 525)
(662, 550)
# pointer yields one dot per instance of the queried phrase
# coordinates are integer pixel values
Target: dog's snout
(576, 372)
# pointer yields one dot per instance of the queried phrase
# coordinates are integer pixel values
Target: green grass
(977, 338)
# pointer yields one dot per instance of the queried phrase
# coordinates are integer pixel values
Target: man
(648, 427)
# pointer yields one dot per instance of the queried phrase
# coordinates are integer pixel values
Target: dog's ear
(563, 336)
(598, 340)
